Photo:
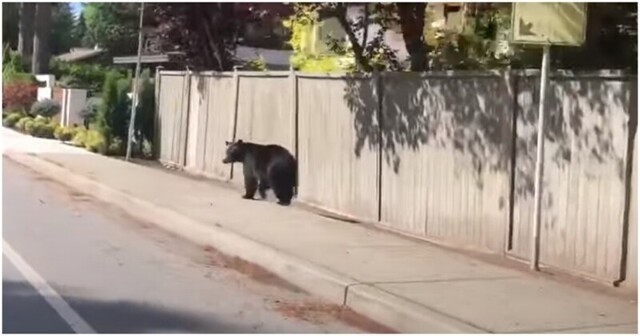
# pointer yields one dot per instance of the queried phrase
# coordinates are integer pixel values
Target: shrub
(116, 147)
(19, 96)
(147, 149)
(95, 142)
(12, 119)
(29, 126)
(258, 64)
(82, 76)
(43, 129)
(41, 119)
(45, 108)
(112, 119)
(20, 125)
(90, 110)
(63, 133)
(13, 69)
(145, 114)
(79, 137)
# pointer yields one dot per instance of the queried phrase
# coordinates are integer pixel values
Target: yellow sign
(555, 23)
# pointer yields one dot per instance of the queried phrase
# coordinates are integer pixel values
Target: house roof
(78, 54)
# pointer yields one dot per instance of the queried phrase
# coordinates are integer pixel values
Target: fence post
(185, 147)
(630, 183)
(378, 82)
(511, 77)
(294, 110)
(234, 118)
(156, 119)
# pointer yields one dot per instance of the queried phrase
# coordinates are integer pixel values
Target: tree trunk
(412, 23)
(25, 37)
(41, 52)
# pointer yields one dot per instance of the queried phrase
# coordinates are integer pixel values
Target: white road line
(54, 299)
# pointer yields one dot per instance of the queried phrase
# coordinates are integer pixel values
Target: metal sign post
(134, 100)
(537, 219)
(545, 24)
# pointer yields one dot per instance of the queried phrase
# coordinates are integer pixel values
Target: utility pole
(134, 99)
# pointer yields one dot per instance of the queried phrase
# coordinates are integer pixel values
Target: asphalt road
(72, 264)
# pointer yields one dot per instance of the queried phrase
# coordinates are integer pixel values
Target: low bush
(79, 137)
(117, 147)
(43, 129)
(19, 96)
(29, 126)
(63, 133)
(20, 125)
(95, 142)
(12, 119)
(46, 108)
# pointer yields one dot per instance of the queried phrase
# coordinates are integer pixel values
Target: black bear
(264, 167)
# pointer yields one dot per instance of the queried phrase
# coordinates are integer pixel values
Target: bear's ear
(239, 141)
(227, 143)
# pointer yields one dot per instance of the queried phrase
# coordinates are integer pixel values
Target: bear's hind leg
(284, 193)
(262, 188)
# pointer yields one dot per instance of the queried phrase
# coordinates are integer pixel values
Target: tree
(411, 16)
(365, 30)
(364, 27)
(113, 26)
(41, 43)
(205, 32)
(10, 24)
(62, 37)
(112, 117)
(25, 39)
(611, 39)
(79, 33)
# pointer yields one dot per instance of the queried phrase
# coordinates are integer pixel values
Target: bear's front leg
(250, 186)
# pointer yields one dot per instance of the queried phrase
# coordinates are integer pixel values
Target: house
(82, 55)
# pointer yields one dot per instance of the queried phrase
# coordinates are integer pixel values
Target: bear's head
(235, 152)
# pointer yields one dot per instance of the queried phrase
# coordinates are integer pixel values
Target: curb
(395, 312)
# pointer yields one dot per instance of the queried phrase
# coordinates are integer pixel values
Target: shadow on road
(19, 299)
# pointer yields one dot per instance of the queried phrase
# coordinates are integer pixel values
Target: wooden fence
(445, 156)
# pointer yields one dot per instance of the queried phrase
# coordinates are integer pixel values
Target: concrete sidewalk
(407, 285)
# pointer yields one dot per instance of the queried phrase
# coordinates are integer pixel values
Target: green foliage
(90, 111)
(79, 32)
(145, 112)
(42, 128)
(258, 64)
(10, 23)
(22, 123)
(113, 26)
(62, 26)
(113, 114)
(82, 76)
(482, 44)
(12, 119)
(28, 126)
(95, 142)
(45, 108)
(301, 26)
(354, 55)
(147, 149)
(117, 147)
(13, 69)
(63, 133)
(79, 136)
